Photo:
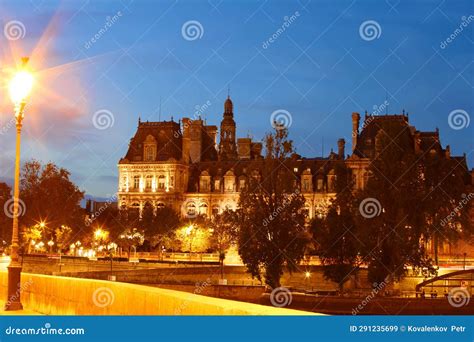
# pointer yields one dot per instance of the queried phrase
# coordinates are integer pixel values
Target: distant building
(183, 165)
(364, 143)
(95, 208)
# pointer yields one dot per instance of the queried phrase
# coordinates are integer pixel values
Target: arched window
(149, 148)
(203, 209)
(229, 181)
(191, 209)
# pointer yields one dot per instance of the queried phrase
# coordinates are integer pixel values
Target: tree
(63, 235)
(5, 220)
(162, 233)
(270, 217)
(445, 202)
(160, 225)
(224, 234)
(49, 195)
(390, 218)
(110, 219)
(195, 236)
(31, 236)
(336, 234)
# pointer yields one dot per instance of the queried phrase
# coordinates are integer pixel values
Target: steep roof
(370, 128)
(167, 135)
(318, 166)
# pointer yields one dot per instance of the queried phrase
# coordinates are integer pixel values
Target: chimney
(195, 145)
(211, 131)
(186, 139)
(243, 145)
(355, 129)
(256, 150)
(448, 151)
(341, 145)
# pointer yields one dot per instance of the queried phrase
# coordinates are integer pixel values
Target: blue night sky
(319, 69)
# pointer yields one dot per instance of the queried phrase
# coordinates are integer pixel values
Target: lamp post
(20, 87)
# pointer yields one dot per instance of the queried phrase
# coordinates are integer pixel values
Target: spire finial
(159, 113)
(228, 91)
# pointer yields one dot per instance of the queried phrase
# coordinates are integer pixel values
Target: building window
(241, 184)
(204, 185)
(149, 148)
(203, 209)
(191, 209)
(148, 182)
(136, 182)
(215, 210)
(161, 182)
(217, 185)
(149, 153)
(320, 184)
(229, 181)
(306, 185)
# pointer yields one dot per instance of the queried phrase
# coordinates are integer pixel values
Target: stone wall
(156, 273)
(235, 292)
(54, 295)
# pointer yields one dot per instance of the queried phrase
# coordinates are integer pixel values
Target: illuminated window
(204, 185)
(320, 184)
(241, 184)
(203, 209)
(306, 185)
(191, 209)
(161, 182)
(149, 148)
(148, 182)
(136, 182)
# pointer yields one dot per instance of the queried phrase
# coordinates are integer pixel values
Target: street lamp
(50, 244)
(20, 87)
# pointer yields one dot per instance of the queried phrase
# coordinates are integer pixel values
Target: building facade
(184, 166)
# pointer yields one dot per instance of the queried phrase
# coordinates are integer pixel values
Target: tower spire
(227, 144)
(159, 113)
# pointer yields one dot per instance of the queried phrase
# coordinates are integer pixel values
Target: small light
(307, 274)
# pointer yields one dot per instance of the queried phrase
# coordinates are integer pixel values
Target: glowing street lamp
(50, 244)
(98, 233)
(20, 87)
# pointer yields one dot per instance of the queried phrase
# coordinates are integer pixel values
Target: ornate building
(181, 164)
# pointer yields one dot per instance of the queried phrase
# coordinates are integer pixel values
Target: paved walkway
(24, 312)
